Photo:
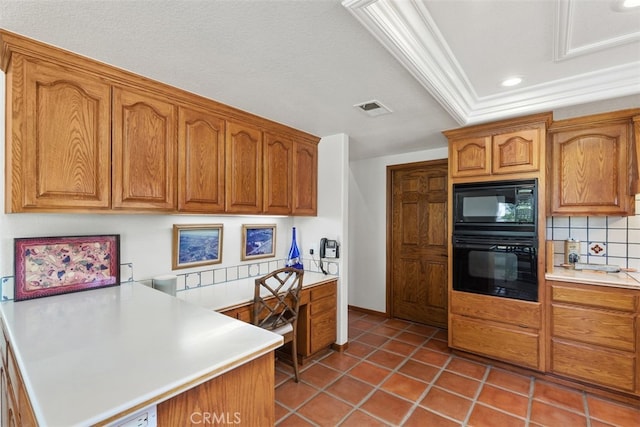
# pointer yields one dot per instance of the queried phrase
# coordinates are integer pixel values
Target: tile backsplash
(603, 240)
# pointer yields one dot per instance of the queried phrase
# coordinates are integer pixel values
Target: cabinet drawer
(594, 365)
(594, 326)
(323, 291)
(323, 330)
(322, 305)
(513, 312)
(610, 298)
(510, 345)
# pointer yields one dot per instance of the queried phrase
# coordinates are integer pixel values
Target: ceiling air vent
(373, 108)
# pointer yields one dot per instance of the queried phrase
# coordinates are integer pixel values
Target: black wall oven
(495, 241)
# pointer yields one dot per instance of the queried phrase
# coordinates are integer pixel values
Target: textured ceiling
(305, 63)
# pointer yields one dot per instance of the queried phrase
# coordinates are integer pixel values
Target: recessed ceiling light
(512, 81)
(625, 5)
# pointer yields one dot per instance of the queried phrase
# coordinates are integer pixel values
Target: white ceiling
(437, 64)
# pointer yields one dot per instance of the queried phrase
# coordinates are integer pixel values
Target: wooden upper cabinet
(305, 178)
(200, 161)
(592, 167)
(58, 140)
(471, 157)
(278, 169)
(516, 152)
(144, 151)
(83, 136)
(244, 168)
(510, 146)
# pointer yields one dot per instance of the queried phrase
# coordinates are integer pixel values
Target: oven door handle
(474, 244)
(478, 246)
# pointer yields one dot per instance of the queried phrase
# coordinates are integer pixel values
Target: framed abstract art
(46, 266)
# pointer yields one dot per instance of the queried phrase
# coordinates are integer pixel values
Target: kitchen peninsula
(99, 356)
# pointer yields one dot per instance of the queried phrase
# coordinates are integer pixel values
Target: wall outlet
(311, 251)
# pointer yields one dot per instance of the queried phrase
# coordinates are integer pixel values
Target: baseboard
(340, 347)
(368, 311)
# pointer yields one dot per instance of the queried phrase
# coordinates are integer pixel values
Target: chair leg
(294, 355)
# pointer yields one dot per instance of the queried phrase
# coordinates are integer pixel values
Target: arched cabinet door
(60, 142)
(244, 168)
(592, 167)
(517, 152)
(200, 161)
(278, 174)
(470, 156)
(144, 151)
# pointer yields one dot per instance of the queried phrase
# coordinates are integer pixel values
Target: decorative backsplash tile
(604, 240)
(200, 278)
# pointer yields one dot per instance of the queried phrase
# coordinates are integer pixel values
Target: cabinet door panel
(470, 157)
(200, 161)
(67, 152)
(590, 171)
(244, 168)
(616, 299)
(593, 365)
(305, 179)
(144, 151)
(615, 330)
(511, 345)
(278, 169)
(323, 330)
(510, 311)
(517, 151)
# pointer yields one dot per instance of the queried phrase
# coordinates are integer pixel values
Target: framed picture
(46, 266)
(258, 241)
(196, 244)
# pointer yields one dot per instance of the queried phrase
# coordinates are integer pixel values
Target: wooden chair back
(277, 298)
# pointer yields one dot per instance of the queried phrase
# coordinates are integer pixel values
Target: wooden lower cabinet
(16, 407)
(243, 396)
(500, 328)
(317, 322)
(594, 335)
(597, 365)
(495, 340)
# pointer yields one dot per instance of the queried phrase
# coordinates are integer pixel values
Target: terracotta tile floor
(401, 373)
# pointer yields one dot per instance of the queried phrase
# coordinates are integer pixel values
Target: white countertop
(229, 294)
(88, 356)
(619, 280)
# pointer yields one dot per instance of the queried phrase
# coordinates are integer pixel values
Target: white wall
(368, 226)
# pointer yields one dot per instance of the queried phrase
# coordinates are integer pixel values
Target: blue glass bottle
(294, 260)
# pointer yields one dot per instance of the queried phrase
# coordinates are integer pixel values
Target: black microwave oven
(496, 208)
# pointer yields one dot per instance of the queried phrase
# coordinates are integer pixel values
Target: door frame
(390, 170)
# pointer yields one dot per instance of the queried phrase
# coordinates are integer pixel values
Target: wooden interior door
(417, 247)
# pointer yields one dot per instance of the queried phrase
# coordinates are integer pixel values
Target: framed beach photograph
(46, 266)
(258, 241)
(196, 245)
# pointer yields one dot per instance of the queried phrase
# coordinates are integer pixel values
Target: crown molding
(408, 31)
(564, 25)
